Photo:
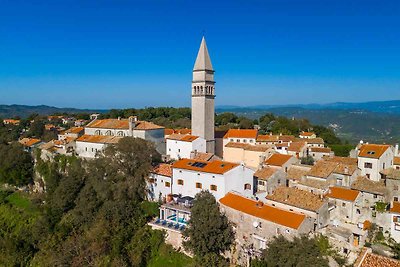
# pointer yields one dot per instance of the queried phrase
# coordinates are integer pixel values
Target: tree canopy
(16, 165)
(209, 232)
(301, 251)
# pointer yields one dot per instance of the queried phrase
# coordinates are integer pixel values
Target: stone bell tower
(203, 94)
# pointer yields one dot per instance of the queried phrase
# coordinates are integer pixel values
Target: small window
(180, 182)
(375, 196)
(238, 140)
(247, 187)
(251, 141)
(358, 211)
(199, 185)
(395, 187)
(167, 184)
(213, 187)
(244, 141)
(396, 199)
(368, 165)
(343, 204)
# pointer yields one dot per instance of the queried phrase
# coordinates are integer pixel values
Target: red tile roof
(278, 159)
(28, 142)
(372, 150)
(75, 130)
(343, 193)
(265, 173)
(307, 134)
(267, 138)
(257, 209)
(122, 124)
(296, 146)
(320, 149)
(163, 169)
(396, 161)
(182, 137)
(241, 133)
(369, 259)
(217, 166)
(102, 139)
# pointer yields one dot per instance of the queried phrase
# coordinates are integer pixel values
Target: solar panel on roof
(199, 164)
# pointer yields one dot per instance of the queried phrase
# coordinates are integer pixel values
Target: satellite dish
(255, 224)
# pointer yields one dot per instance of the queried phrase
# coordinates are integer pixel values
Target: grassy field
(168, 257)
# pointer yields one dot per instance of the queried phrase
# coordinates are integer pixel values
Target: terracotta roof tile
(28, 142)
(278, 159)
(203, 156)
(366, 185)
(267, 138)
(11, 121)
(343, 193)
(368, 259)
(265, 173)
(372, 150)
(323, 169)
(182, 137)
(287, 138)
(74, 130)
(297, 198)
(316, 140)
(391, 173)
(217, 166)
(296, 146)
(102, 139)
(259, 148)
(307, 133)
(163, 169)
(345, 160)
(309, 182)
(320, 149)
(122, 124)
(241, 133)
(256, 209)
(396, 161)
(296, 173)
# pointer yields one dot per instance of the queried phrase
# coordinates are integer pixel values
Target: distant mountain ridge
(391, 106)
(23, 111)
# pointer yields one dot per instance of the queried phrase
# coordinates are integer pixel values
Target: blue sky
(119, 54)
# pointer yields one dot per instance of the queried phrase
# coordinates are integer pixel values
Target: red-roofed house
(182, 145)
(246, 136)
(159, 183)
(218, 177)
(373, 158)
(257, 223)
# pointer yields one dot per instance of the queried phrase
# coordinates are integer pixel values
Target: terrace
(175, 214)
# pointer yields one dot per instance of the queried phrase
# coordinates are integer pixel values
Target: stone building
(203, 94)
(255, 224)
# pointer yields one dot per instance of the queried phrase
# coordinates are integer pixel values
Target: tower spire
(203, 61)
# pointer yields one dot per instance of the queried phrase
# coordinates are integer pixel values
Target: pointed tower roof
(203, 61)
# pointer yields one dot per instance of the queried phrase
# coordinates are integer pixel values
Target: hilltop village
(266, 184)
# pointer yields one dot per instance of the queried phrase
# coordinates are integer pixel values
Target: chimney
(132, 123)
(119, 118)
(396, 150)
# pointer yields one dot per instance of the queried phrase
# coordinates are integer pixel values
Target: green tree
(302, 251)
(209, 231)
(16, 165)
